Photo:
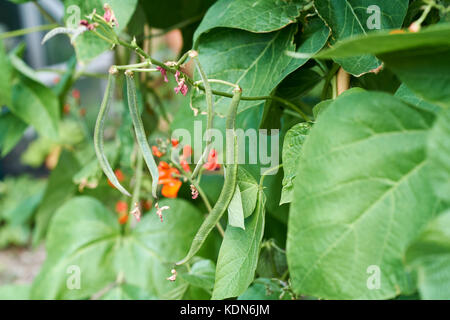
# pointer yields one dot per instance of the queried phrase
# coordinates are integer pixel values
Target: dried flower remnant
(89, 26)
(182, 87)
(414, 27)
(163, 73)
(173, 277)
(194, 192)
(136, 212)
(160, 210)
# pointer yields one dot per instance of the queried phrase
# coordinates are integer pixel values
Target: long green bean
(228, 188)
(98, 136)
(141, 137)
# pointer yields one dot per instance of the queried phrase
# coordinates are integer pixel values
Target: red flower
(174, 142)
(187, 151)
(185, 165)
(212, 163)
(76, 94)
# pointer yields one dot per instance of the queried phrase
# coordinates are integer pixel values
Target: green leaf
(439, 155)
(88, 45)
(272, 261)
(250, 15)
(385, 41)
(235, 210)
(292, 148)
(426, 71)
(37, 105)
(262, 289)
(85, 234)
(351, 18)
(127, 291)
(15, 292)
(238, 255)
(249, 191)
(361, 195)
(257, 62)
(60, 188)
(167, 13)
(429, 257)
(11, 131)
(201, 274)
(407, 95)
(5, 77)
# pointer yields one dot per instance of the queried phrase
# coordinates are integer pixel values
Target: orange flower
(120, 176)
(146, 204)
(76, 94)
(171, 185)
(212, 163)
(123, 218)
(156, 152)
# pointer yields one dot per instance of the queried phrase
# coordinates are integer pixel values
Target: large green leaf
(350, 18)
(11, 131)
(292, 147)
(85, 234)
(250, 15)
(5, 77)
(385, 41)
(439, 155)
(37, 105)
(360, 196)
(87, 45)
(425, 70)
(201, 274)
(238, 256)
(407, 95)
(429, 256)
(60, 188)
(257, 62)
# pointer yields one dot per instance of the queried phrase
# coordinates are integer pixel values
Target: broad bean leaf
(201, 274)
(362, 172)
(262, 289)
(235, 210)
(37, 105)
(388, 41)
(257, 62)
(292, 148)
(5, 77)
(238, 255)
(350, 18)
(429, 257)
(250, 15)
(60, 188)
(439, 155)
(87, 45)
(249, 191)
(11, 131)
(407, 95)
(168, 13)
(85, 234)
(425, 70)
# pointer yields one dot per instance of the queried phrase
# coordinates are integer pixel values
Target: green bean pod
(140, 132)
(98, 136)
(228, 188)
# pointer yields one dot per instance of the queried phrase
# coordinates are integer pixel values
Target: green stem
(261, 181)
(44, 12)
(21, 32)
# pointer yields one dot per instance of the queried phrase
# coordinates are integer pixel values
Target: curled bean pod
(98, 136)
(140, 132)
(228, 188)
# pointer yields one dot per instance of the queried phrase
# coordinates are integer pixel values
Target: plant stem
(21, 32)
(44, 12)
